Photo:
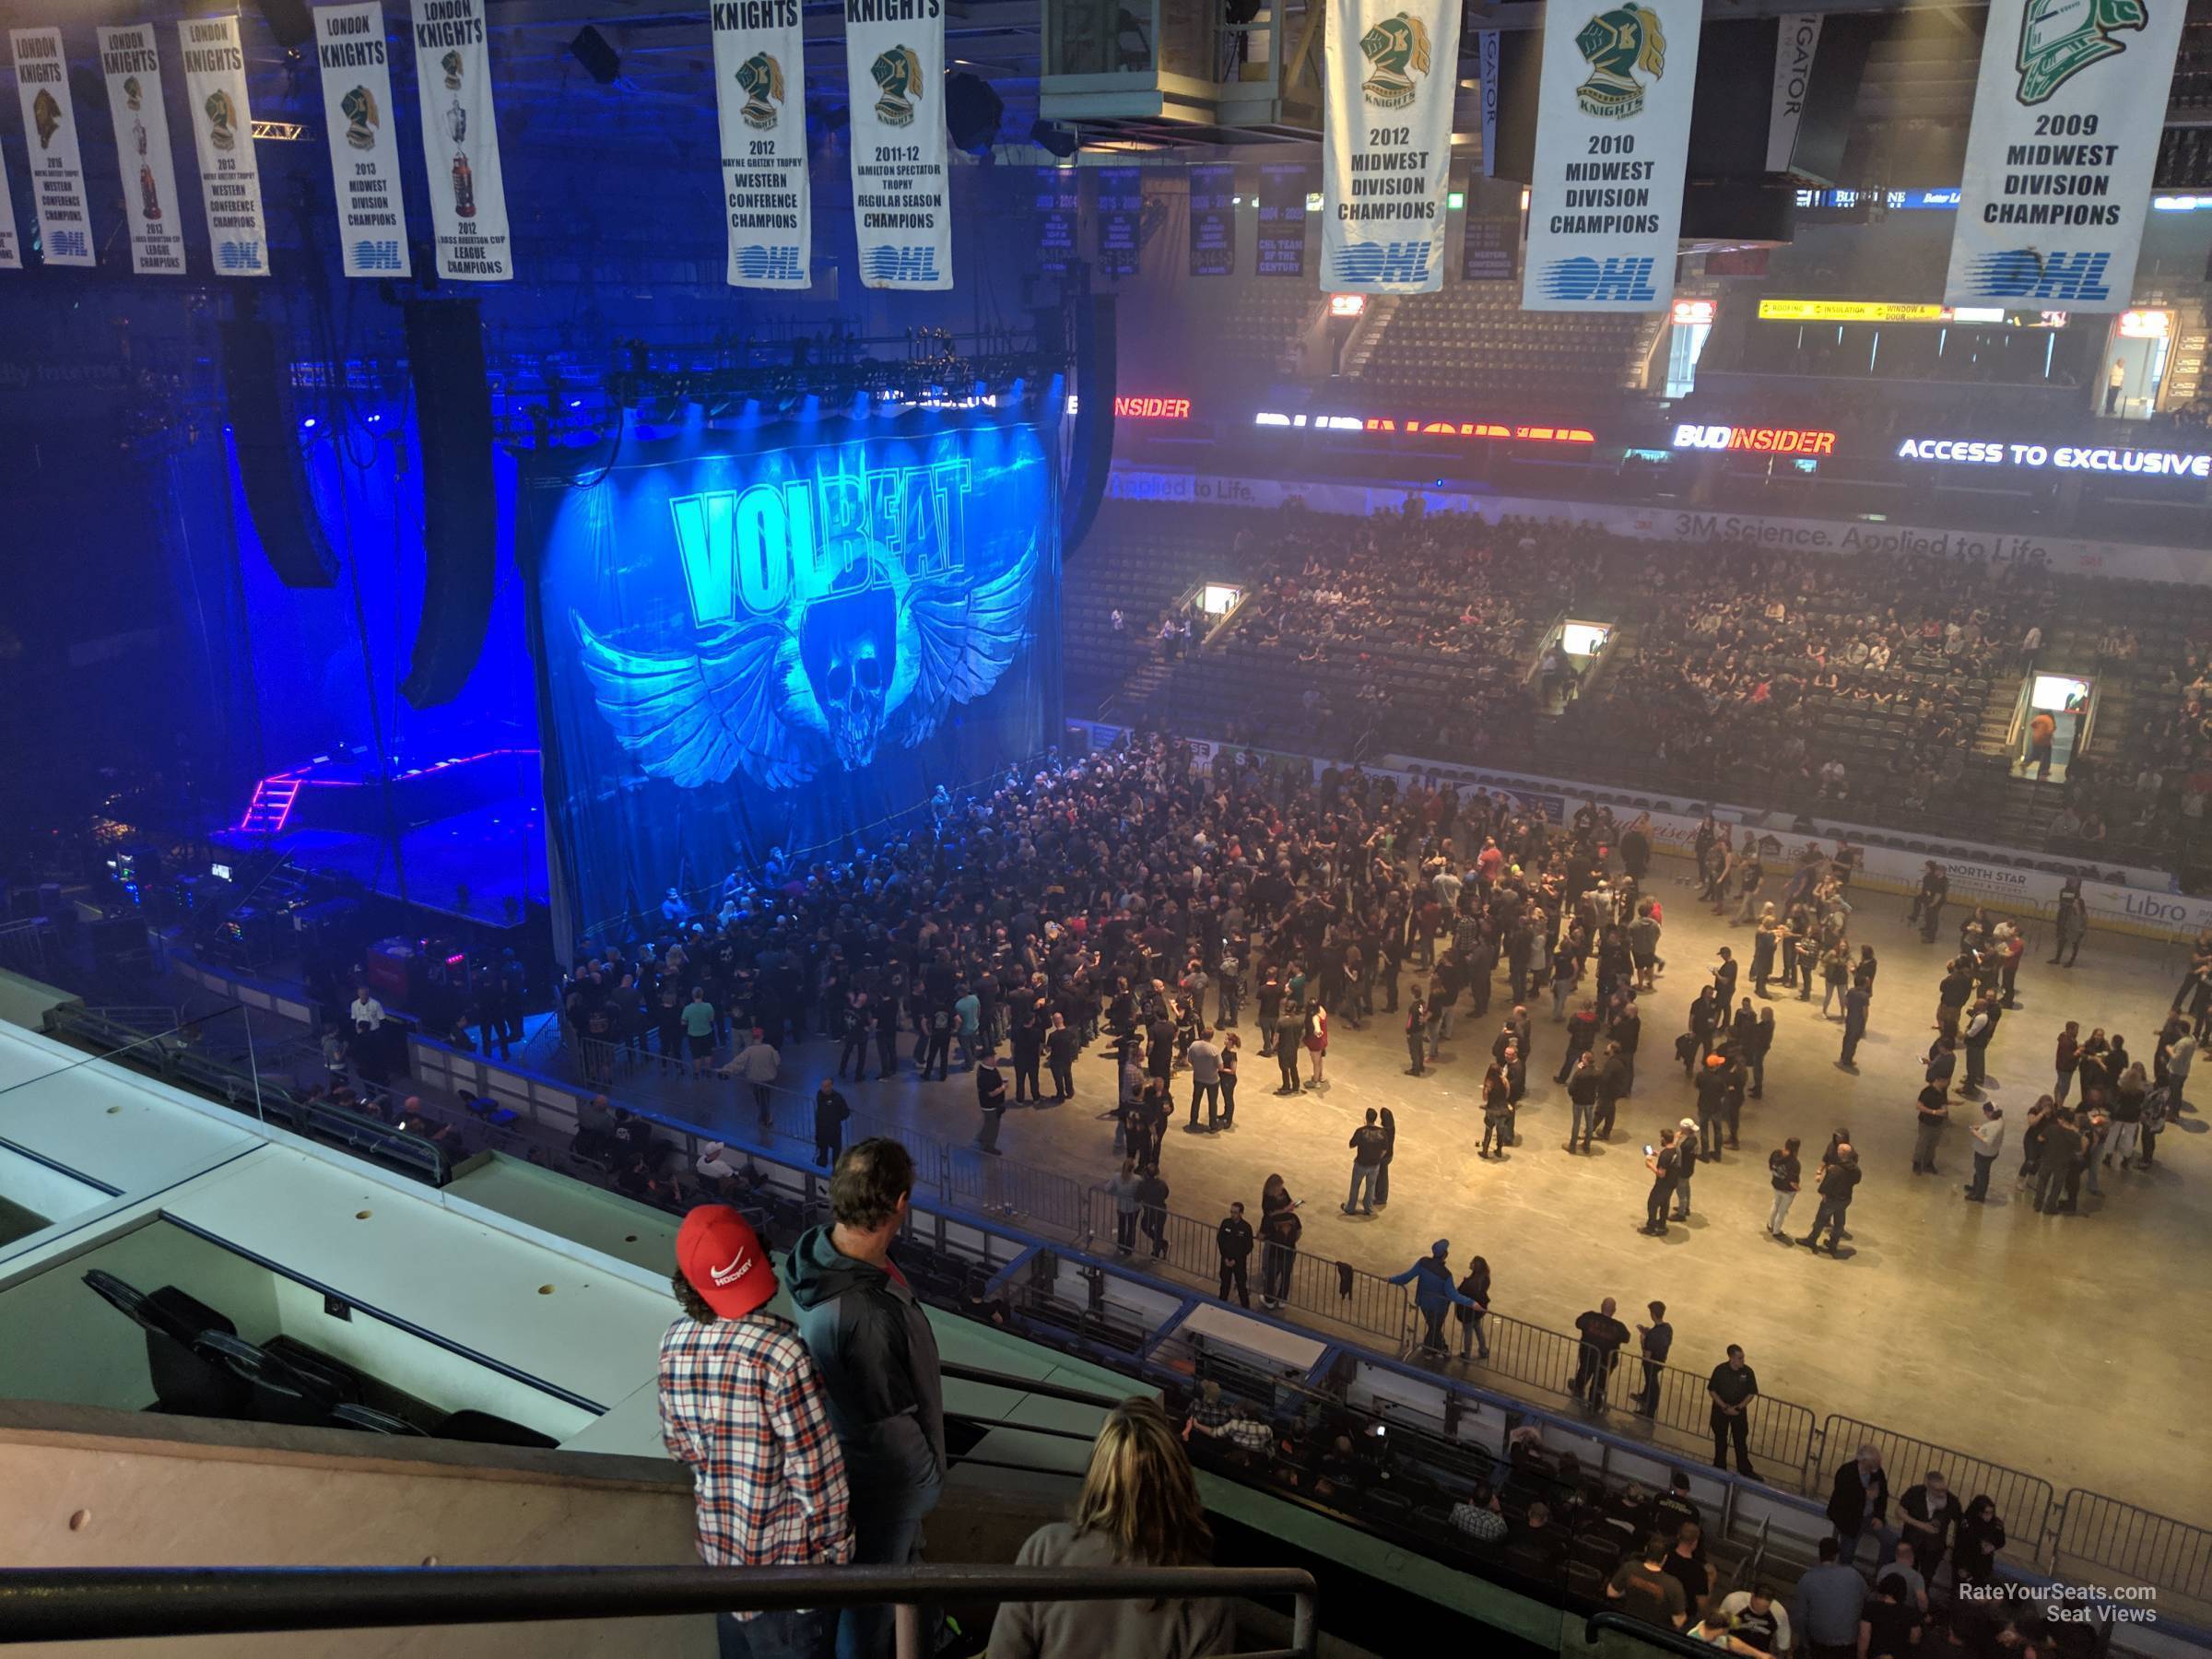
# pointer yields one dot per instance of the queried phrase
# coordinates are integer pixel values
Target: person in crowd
(1152, 1206)
(1664, 1163)
(758, 1065)
(1138, 1507)
(1980, 1536)
(1205, 1061)
(1433, 1293)
(1646, 1590)
(1889, 1625)
(1602, 1338)
(1476, 1287)
(1280, 1231)
(1989, 1144)
(1729, 1391)
(1838, 1181)
(1063, 1043)
(1784, 1175)
(878, 1357)
(1123, 1190)
(1830, 1597)
(1368, 1145)
(1232, 1241)
(1927, 1516)
(699, 1019)
(1478, 1516)
(1756, 1619)
(990, 1100)
(830, 1113)
(1653, 1343)
(1858, 1500)
(744, 1409)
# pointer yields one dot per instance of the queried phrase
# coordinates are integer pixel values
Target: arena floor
(2061, 1345)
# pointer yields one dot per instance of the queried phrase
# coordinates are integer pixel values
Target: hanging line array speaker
(269, 466)
(460, 511)
(1096, 358)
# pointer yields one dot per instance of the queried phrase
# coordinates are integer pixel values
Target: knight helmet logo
(2060, 38)
(359, 107)
(47, 114)
(222, 120)
(898, 75)
(133, 93)
(1397, 50)
(1615, 44)
(453, 66)
(760, 78)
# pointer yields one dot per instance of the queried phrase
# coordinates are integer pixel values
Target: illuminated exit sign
(1151, 408)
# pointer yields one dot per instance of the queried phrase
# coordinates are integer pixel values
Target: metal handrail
(92, 1604)
(1051, 1391)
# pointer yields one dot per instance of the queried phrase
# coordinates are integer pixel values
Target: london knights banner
(760, 90)
(461, 142)
(1390, 72)
(2068, 113)
(1612, 149)
(57, 168)
(222, 133)
(11, 245)
(364, 146)
(130, 59)
(895, 70)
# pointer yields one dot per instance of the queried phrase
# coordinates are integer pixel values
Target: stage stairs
(271, 806)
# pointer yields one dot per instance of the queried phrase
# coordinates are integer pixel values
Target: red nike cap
(720, 1254)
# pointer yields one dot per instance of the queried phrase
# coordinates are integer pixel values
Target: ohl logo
(1397, 50)
(2024, 274)
(1374, 265)
(760, 78)
(1615, 44)
(1607, 282)
(898, 76)
(771, 265)
(911, 265)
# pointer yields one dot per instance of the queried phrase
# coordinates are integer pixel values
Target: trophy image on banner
(222, 121)
(464, 178)
(359, 107)
(760, 78)
(134, 94)
(149, 199)
(47, 114)
(139, 137)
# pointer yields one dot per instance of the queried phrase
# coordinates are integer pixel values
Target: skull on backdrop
(848, 650)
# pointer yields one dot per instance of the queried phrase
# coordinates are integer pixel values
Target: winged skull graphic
(826, 685)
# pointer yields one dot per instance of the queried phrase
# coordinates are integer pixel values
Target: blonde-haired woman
(1139, 1507)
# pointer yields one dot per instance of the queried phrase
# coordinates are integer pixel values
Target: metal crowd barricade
(2024, 1504)
(2103, 1535)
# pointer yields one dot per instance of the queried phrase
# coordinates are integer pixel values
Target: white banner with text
(461, 142)
(11, 245)
(1794, 49)
(759, 91)
(1389, 77)
(57, 165)
(364, 148)
(222, 131)
(901, 181)
(2068, 110)
(130, 61)
(1604, 209)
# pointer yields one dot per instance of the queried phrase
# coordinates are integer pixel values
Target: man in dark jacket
(1837, 1181)
(1233, 1240)
(878, 1360)
(1858, 1501)
(830, 1111)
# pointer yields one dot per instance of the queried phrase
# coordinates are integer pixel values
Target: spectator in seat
(1646, 1590)
(744, 1410)
(1538, 1545)
(1139, 1507)
(1477, 1516)
(878, 1360)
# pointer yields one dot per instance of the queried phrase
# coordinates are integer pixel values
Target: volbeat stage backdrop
(782, 638)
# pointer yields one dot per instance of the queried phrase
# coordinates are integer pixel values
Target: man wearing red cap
(743, 1407)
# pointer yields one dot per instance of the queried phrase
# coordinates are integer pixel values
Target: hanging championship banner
(2068, 110)
(895, 72)
(364, 148)
(1389, 77)
(131, 60)
(1059, 202)
(222, 130)
(760, 87)
(57, 168)
(1121, 219)
(1793, 49)
(11, 246)
(1213, 220)
(1281, 240)
(1604, 206)
(461, 142)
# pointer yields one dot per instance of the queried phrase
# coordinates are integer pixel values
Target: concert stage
(470, 829)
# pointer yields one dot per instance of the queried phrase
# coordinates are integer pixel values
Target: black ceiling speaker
(973, 112)
(290, 21)
(460, 512)
(590, 49)
(1054, 139)
(269, 468)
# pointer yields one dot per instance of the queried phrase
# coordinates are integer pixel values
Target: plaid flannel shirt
(742, 1407)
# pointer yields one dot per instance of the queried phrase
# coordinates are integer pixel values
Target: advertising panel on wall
(57, 165)
(222, 129)
(1389, 77)
(364, 151)
(461, 142)
(761, 108)
(2068, 114)
(901, 187)
(783, 640)
(130, 61)
(1612, 155)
